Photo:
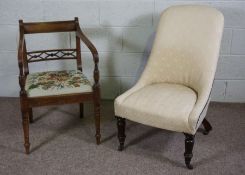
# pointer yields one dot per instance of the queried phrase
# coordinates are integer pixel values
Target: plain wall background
(122, 31)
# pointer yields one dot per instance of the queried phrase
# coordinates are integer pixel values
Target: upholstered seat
(155, 105)
(56, 83)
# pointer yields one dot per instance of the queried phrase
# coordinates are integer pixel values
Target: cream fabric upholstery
(57, 83)
(185, 52)
(160, 104)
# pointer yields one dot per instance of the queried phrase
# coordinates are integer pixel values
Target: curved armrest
(94, 52)
(199, 111)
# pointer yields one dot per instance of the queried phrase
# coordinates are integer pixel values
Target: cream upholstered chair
(173, 91)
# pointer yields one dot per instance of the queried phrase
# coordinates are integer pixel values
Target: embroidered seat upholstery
(57, 83)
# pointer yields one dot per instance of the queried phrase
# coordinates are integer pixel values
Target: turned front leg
(121, 132)
(189, 143)
(25, 123)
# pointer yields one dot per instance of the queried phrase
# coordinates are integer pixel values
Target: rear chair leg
(121, 132)
(189, 143)
(207, 126)
(97, 122)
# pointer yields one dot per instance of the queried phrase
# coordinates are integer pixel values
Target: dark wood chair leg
(121, 132)
(207, 126)
(81, 110)
(30, 113)
(189, 143)
(25, 123)
(97, 122)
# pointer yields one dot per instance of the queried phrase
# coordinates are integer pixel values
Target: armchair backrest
(25, 57)
(186, 47)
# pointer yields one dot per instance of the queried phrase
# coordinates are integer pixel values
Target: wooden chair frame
(27, 103)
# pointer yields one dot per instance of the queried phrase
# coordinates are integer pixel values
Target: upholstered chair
(173, 92)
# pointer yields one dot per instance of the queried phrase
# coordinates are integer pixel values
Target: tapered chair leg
(97, 122)
(81, 110)
(30, 115)
(121, 132)
(25, 123)
(189, 143)
(207, 126)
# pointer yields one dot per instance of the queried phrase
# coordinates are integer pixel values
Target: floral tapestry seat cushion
(57, 83)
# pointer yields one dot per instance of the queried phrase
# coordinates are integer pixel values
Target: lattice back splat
(51, 55)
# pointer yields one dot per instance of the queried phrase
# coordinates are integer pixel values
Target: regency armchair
(174, 89)
(55, 87)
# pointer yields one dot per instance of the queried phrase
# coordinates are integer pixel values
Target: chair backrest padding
(186, 49)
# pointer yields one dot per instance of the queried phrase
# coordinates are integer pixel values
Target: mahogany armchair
(55, 87)
(173, 92)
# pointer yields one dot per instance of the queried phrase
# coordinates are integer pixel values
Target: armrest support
(21, 53)
(94, 52)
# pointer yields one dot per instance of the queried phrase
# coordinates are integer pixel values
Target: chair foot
(27, 147)
(189, 166)
(81, 110)
(207, 127)
(121, 132)
(98, 139)
(189, 143)
(205, 132)
(120, 147)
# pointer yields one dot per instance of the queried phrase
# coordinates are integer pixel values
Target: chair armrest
(119, 100)
(94, 52)
(199, 111)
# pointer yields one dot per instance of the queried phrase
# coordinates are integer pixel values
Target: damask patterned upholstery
(160, 105)
(183, 60)
(57, 83)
